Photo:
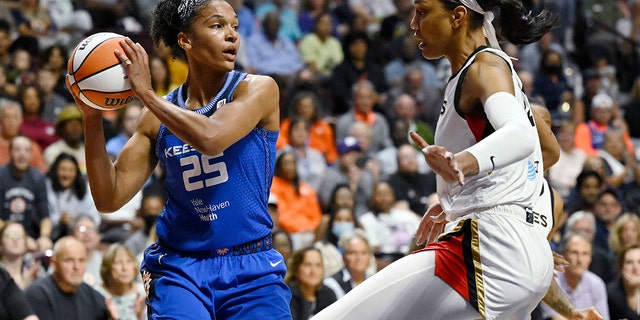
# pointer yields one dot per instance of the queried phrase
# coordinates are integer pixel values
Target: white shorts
(487, 266)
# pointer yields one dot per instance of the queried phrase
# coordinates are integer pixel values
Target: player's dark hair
(516, 23)
(171, 17)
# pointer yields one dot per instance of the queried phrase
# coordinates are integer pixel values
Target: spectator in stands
(590, 134)
(390, 230)
(33, 125)
(311, 10)
(319, 50)
(364, 97)
(405, 107)
(411, 187)
(583, 197)
(551, 84)
(341, 197)
(160, 76)
(52, 101)
(10, 122)
(14, 305)
(356, 253)
(621, 168)
(23, 267)
(20, 70)
(69, 129)
(35, 29)
(307, 105)
(120, 286)
(428, 100)
(311, 165)
(63, 295)
(86, 230)
(68, 195)
(624, 292)
(304, 277)
(584, 288)
(23, 194)
(625, 231)
(288, 26)
(272, 53)
(407, 57)
(247, 21)
(150, 208)
(364, 135)
(126, 122)
(341, 220)
(584, 222)
(55, 58)
(282, 243)
(358, 64)
(606, 209)
(298, 205)
(562, 175)
(347, 171)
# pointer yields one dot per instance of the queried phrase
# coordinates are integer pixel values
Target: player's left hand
(432, 225)
(136, 64)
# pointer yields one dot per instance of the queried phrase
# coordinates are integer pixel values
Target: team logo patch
(221, 103)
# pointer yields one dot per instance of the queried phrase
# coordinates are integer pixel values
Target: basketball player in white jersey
(492, 262)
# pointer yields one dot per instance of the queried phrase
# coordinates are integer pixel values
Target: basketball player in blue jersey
(493, 261)
(215, 136)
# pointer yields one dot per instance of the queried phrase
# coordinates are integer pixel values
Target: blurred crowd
(350, 188)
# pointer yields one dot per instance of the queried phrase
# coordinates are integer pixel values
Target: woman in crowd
(124, 293)
(68, 195)
(304, 277)
(624, 292)
(23, 267)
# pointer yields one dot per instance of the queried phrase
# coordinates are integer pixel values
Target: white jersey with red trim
(519, 183)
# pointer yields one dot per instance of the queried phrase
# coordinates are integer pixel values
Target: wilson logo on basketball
(114, 102)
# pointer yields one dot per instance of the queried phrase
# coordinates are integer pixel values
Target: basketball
(96, 75)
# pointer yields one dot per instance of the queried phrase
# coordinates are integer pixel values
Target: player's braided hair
(171, 17)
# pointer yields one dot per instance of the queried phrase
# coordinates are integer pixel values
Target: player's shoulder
(258, 80)
(149, 124)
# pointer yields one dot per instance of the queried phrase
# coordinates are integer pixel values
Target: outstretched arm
(558, 301)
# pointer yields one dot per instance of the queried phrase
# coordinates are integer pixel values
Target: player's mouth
(230, 54)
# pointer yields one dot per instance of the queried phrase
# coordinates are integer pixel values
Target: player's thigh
(406, 289)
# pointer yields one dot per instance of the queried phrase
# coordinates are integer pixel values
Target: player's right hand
(432, 225)
(586, 314)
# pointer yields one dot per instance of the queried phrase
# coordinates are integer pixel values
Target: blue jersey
(215, 201)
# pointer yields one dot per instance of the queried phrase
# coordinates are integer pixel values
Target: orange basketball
(97, 76)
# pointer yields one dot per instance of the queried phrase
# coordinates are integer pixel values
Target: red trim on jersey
(455, 265)
(477, 126)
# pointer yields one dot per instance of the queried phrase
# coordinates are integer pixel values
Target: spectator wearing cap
(590, 134)
(69, 129)
(348, 170)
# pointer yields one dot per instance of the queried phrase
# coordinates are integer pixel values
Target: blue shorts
(223, 284)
